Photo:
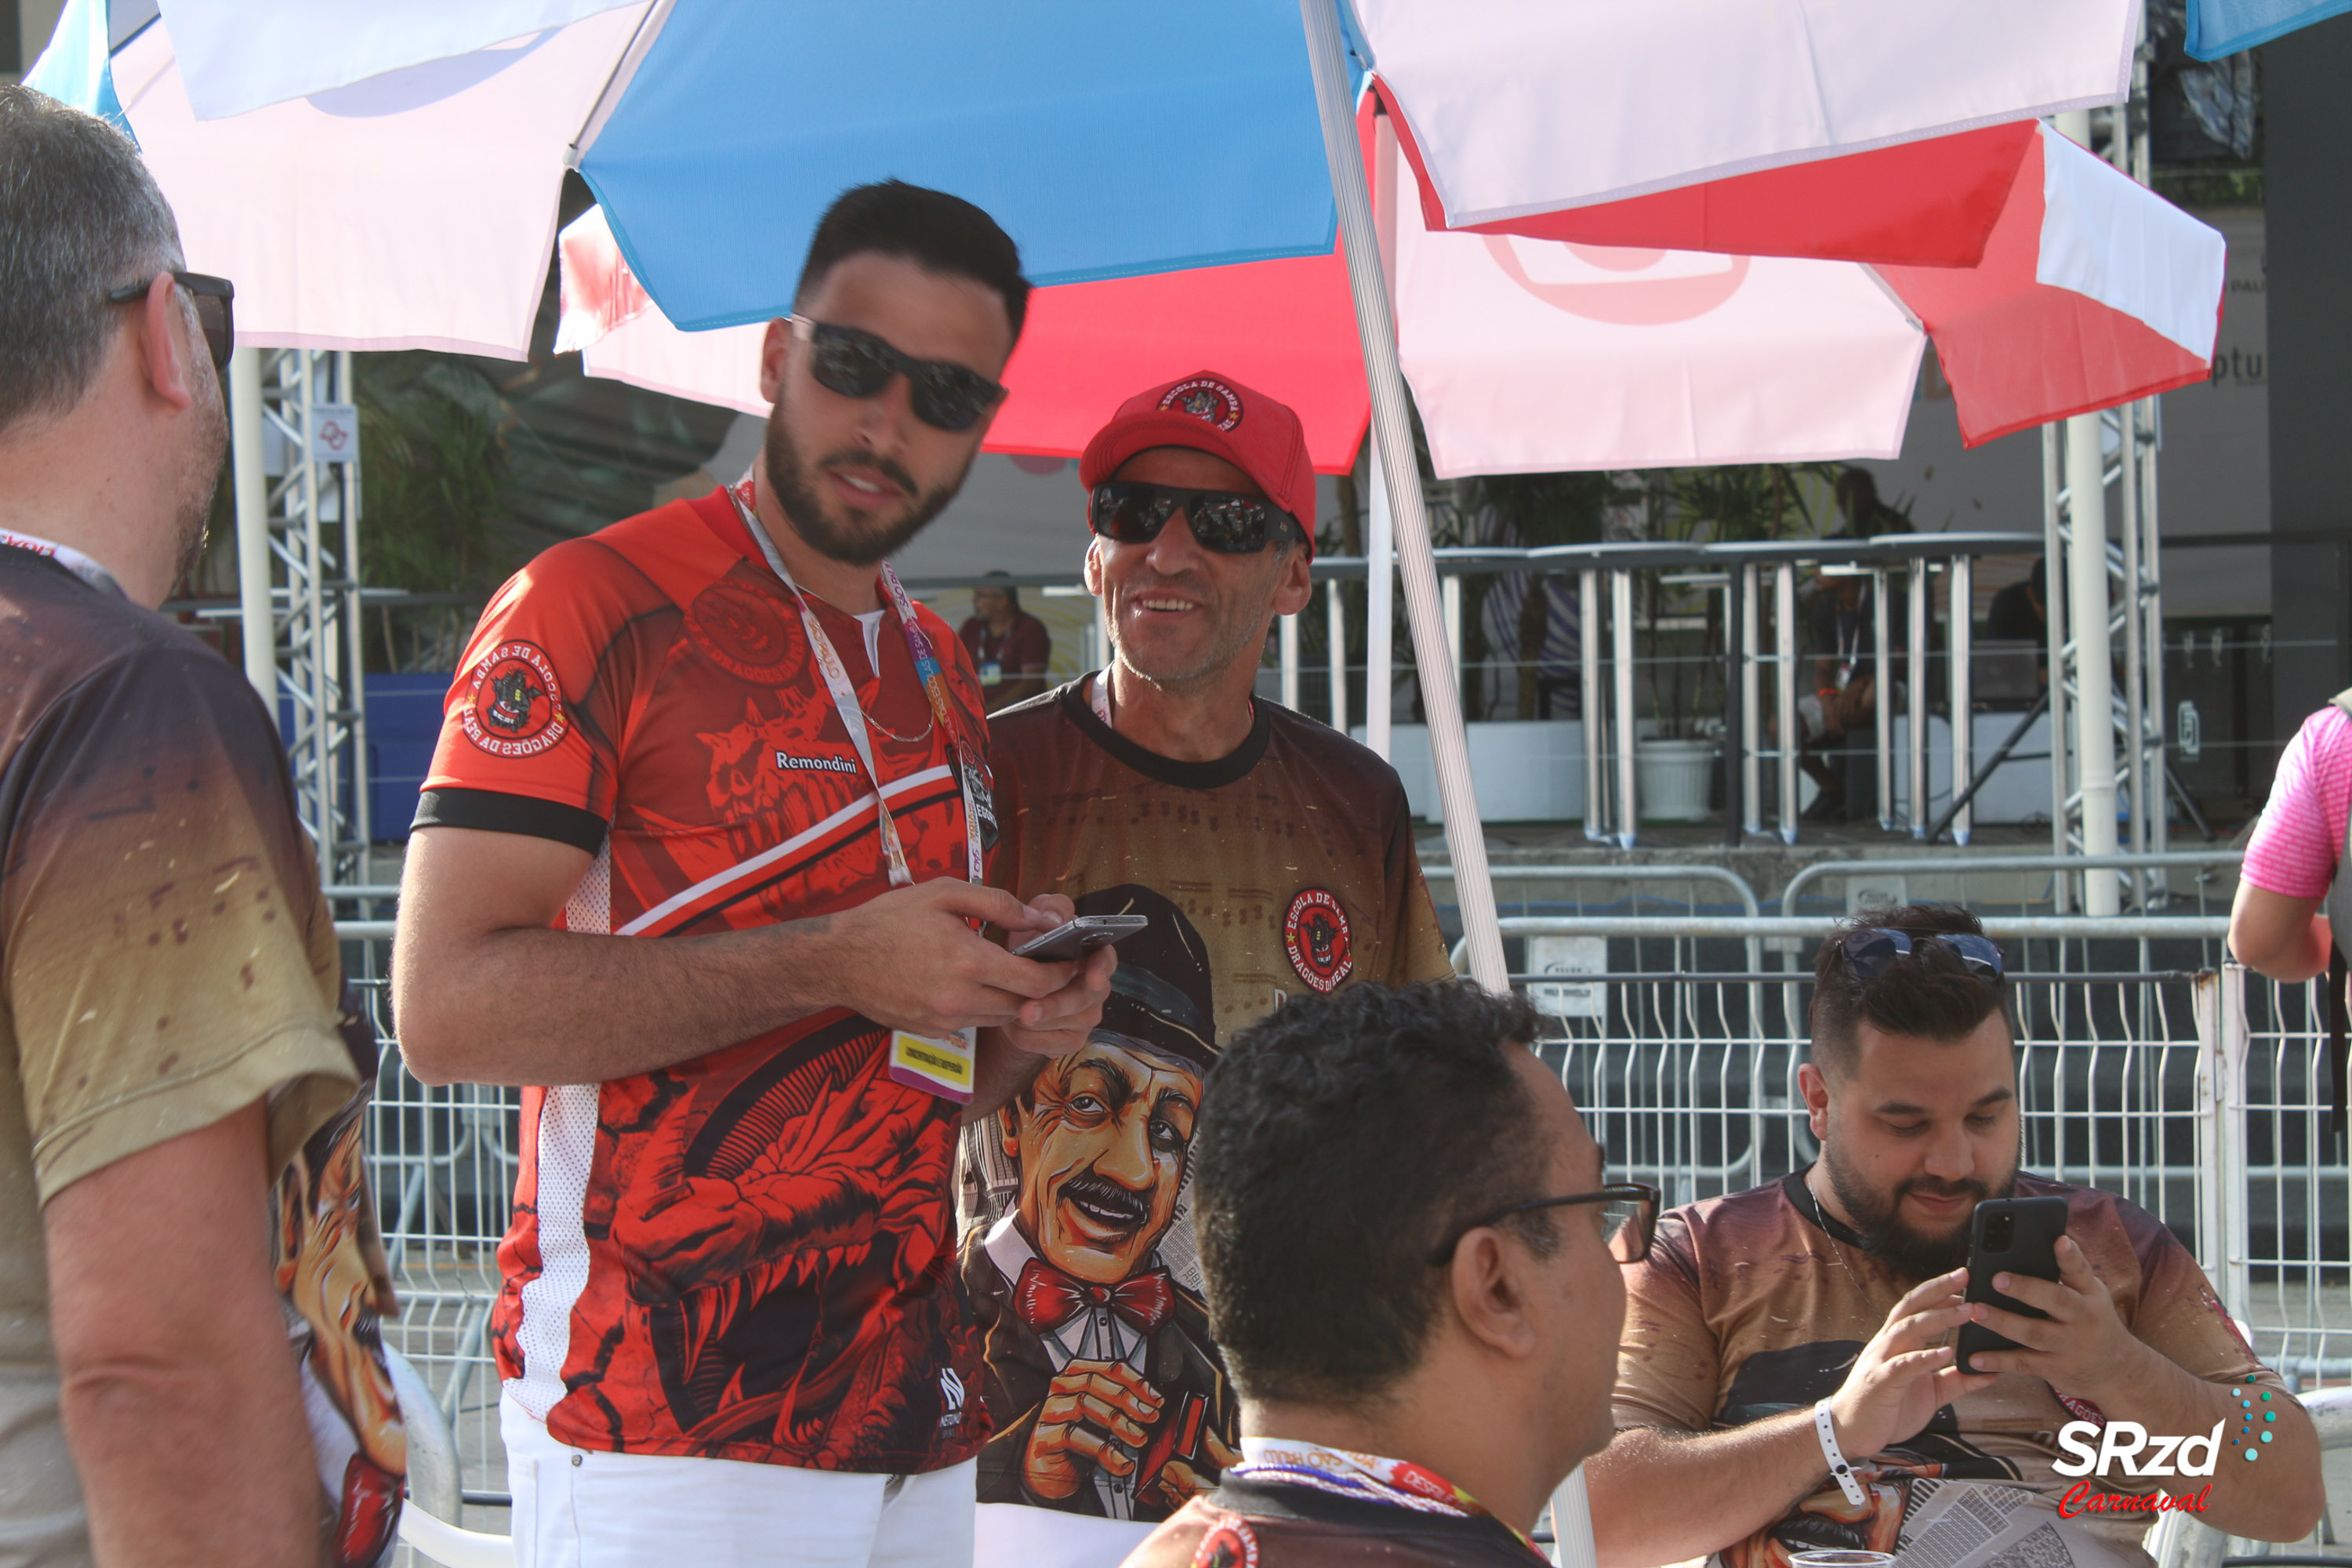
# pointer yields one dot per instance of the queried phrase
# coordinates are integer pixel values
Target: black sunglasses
(214, 312)
(1133, 512)
(859, 364)
(1629, 1220)
(1870, 949)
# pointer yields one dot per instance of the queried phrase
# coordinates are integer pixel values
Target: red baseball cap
(1217, 415)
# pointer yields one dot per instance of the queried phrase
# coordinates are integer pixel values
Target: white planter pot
(1526, 770)
(1672, 779)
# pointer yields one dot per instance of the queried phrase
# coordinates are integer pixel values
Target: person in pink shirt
(2277, 926)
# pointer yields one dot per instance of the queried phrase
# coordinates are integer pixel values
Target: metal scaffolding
(2105, 603)
(297, 518)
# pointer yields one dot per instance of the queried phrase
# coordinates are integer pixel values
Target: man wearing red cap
(1286, 846)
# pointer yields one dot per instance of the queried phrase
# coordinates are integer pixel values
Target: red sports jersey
(747, 1256)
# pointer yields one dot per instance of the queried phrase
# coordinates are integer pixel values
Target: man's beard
(794, 486)
(1911, 1253)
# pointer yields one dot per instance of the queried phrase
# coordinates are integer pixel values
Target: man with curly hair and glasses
(1787, 1378)
(1413, 1260)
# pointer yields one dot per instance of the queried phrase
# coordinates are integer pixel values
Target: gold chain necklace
(1822, 1218)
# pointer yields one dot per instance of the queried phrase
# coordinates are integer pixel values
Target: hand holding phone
(2014, 1236)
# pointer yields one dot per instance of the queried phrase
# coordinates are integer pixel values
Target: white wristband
(1826, 1429)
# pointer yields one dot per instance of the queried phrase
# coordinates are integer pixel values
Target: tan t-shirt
(165, 957)
(1747, 1308)
(1285, 869)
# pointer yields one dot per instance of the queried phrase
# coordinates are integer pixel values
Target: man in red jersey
(730, 1325)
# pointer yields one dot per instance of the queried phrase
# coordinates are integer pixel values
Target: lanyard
(853, 714)
(72, 560)
(1397, 1483)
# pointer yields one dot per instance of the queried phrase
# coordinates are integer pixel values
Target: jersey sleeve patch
(514, 705)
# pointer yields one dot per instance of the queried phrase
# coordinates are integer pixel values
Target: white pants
(580, 1508)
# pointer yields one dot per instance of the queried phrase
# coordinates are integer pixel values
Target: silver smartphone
(1075, 939)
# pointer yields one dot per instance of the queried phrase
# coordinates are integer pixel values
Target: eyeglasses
(1870, 949)
(1133, 512)
(859, 364)
(214, 312)
(1629, 1220)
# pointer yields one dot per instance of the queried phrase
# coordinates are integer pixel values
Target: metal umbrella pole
(1441, 699)
(1449, 749)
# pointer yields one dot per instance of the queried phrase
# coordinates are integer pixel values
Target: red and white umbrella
(1618, 335)
(2076, 289)
(1085, 349)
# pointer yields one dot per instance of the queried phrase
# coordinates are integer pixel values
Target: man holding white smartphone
(698, 864)
(1786, 1375)
(1276, 859)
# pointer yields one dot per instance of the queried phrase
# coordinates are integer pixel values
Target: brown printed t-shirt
(165, 957)
(1747, 1308)
(1285, 869)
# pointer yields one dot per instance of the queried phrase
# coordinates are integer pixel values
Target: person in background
(2288, 909)
(2293, 899)
(701, 862)
(1414, 1261)
(1863, 515)
(170, 1034)
(1008, 647)
(2020, 613)
(1779, 1334)
(1285, 847)
(1845, 681)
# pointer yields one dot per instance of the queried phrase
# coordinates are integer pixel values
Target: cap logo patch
(1208, 400)
(1230, 1543)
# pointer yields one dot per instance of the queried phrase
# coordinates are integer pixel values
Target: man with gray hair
(170, 1037)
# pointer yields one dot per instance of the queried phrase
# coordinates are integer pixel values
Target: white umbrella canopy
(1530, 106)
(413, 209)
(387, 175)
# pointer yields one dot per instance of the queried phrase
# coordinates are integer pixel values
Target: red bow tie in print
(1045, 1297)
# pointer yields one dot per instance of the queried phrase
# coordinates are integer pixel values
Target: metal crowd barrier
(442, 1162)
(2152, 1068)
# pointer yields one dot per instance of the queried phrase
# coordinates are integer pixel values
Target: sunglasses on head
(215, 312)
(859, 364)
(1872, 949)
(1133, 512)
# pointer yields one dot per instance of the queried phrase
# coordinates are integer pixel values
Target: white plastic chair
(428, 1522)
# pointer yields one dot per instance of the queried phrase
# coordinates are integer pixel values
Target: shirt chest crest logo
(743, 630)
(1315, 934)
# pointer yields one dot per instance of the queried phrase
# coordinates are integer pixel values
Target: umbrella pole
(1441, 697)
